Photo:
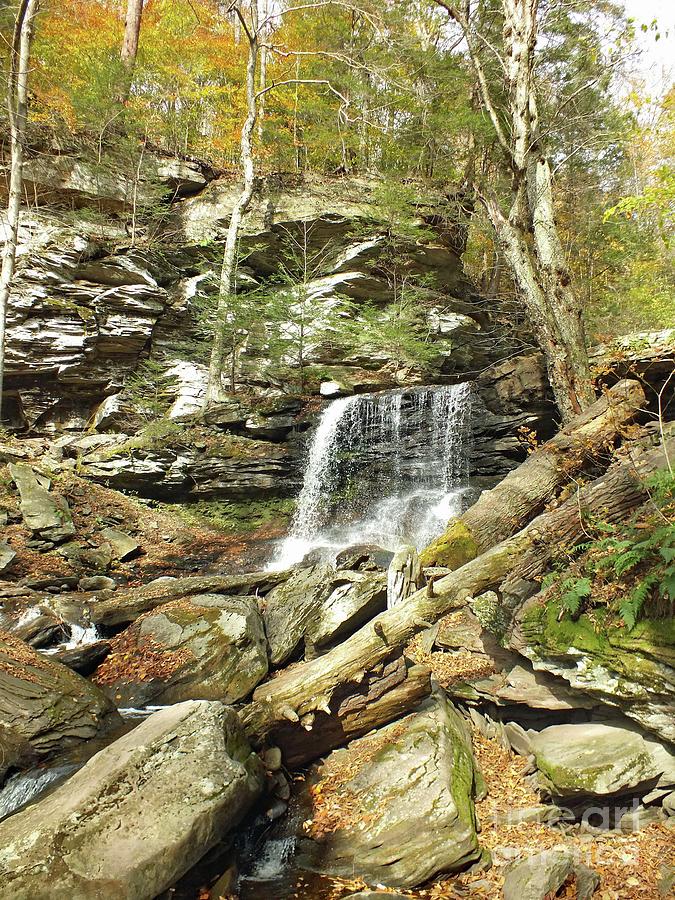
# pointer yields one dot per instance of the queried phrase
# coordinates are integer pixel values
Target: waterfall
(388, 469)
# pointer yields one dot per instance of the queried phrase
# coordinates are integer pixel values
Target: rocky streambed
(338, 729)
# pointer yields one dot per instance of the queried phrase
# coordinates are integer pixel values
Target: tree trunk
(301, 691)
(525, 491)
(17, 104)
(132, 32)
(388, 691)
(528, 236)
(229, 268)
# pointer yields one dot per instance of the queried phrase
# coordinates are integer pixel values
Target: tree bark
(127, 605)
(388, 691)
(17, 104)
(309, 687)
(525, 491)
(528, 235)
(229, 267)
(129, 52)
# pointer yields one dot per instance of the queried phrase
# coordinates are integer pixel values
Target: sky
(658, 58)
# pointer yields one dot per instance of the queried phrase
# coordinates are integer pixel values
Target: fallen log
(525, 491)
(387, 692)
(127, 605)
(311, 686)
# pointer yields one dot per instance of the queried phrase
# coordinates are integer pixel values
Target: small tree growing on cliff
(17, 105)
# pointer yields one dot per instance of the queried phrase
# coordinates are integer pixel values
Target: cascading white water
(388, 469)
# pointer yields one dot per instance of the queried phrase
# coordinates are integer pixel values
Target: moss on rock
(455, 547)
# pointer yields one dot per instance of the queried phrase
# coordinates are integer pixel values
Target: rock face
(242, 471)
(318, 606)
(46, 705)
(209, 647)
(632, 670)
(193, 776)
(87, 308)
(541, 876)
(596, 760)
(46, 514)
(397, 806)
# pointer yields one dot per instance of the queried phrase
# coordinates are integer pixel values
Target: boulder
(318, 605)
(396, 807)
(139, 814)
(45, 704)
(207, 647)
(593, 759)
(123, 545)
(46, 514)
(84, 658)
(541, 876)
(632, 669)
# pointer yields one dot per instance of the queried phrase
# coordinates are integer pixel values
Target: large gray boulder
(206, 647)
(540, 876)
(45, 705)
(46, 514)
(139, 814)
(593, 759)
(396, 807)
(318, 606)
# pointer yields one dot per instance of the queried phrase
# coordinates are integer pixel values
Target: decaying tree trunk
(525, 491)
(387, 692)
(129, 604)
(297, 694)
(17, 105)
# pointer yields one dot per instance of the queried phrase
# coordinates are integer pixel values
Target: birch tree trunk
(17, 103)
(228, 272)
(527, 235)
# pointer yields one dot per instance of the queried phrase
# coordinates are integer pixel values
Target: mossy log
(309, 687)
(525, 491)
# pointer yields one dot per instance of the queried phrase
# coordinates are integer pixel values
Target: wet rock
(363, 558)
(209, 647)
(84, 659)
(194, 778)
(47, 705)
(318, 605)
(387, 793)
(123, 545)
(541, 876)
(42, 631)
(46, 514)
(596, 760)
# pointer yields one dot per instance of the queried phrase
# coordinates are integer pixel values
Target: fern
(631, 607)
(575, 591)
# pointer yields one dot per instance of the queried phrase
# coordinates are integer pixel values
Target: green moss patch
(455, 547)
